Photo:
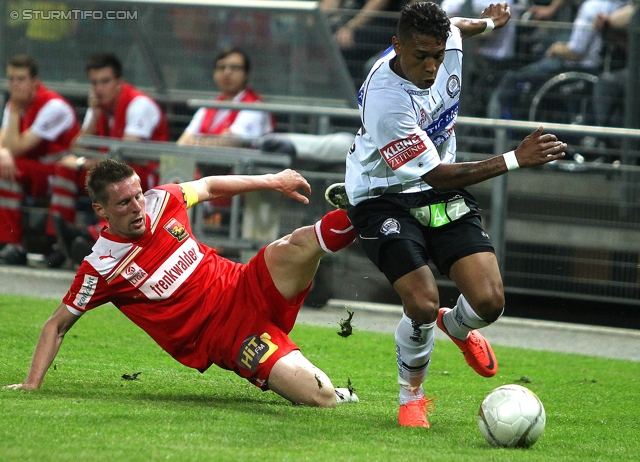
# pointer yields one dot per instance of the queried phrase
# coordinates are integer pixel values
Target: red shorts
(257, 327)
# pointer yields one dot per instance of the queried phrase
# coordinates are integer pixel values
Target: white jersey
(406, 131)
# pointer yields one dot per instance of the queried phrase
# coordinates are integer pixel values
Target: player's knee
(490, 303)
(324, 397)
(421, 307)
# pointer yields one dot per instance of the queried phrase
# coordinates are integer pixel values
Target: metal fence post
(499, 202)
(631, 115)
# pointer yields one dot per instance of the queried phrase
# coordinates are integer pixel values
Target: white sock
(462, 319)
(407, 395)
(414, 344)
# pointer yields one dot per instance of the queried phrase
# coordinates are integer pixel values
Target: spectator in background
(366, 34)
(609, 90)
(581, 52)
(38, 127)
(546, 12)
(116, 110)
(492, 55)
(226, 127)
(535, 39)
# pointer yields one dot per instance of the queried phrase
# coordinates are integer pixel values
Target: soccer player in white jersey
(406, 196)
(199, 307)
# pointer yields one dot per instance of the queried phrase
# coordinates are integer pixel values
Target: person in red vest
(225, 127)
(38, 127)
(116, 110)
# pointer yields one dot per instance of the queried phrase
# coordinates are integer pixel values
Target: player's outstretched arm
(536, 149)
(47, 348)
(288, 182)
(498, 13)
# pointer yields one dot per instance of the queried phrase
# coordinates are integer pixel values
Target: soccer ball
(511, 416)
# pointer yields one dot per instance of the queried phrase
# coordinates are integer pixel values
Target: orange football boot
(476, 350)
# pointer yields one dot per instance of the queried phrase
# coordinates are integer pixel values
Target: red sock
(334, 231)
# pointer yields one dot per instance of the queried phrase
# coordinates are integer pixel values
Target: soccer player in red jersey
(199, 307)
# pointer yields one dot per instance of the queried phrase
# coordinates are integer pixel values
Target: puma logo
(104, 257)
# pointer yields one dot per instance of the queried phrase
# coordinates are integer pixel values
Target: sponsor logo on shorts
(398, 153)
(441, 214)
(390, 226)
(255, 350)
(87, 290)
(176, 229)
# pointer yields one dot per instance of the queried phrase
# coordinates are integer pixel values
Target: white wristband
(511, 160)
(490, 26)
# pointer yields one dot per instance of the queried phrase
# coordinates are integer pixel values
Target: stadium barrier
(566, 229)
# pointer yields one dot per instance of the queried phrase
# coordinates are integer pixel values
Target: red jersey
(209, 128)
(166, 282)
(128, 93)
(60, 144)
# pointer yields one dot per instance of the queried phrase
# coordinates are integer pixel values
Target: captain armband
(190, 194)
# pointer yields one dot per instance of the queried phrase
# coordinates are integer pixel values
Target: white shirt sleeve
(251, 124)
(196, 122)
(5, 116)
(585, 40)
(52, 119)
(142, 117)
(88, 117)
(452, 7)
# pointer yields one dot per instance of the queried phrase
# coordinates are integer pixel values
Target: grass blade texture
(87, 411)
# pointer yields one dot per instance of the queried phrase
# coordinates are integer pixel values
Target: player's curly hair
(105, 173)
(423, 18)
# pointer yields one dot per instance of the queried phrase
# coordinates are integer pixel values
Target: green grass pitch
(86, 411)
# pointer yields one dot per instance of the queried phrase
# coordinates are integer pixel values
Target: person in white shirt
(407, 199)
(116, 109)
(492, 56)
(226, 127)
(581, 53)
